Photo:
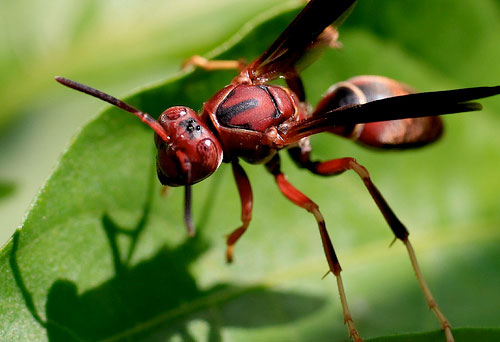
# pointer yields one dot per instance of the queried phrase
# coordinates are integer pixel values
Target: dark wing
(393, 108)
(299, 37)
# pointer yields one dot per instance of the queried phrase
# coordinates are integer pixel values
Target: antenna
(145, 117)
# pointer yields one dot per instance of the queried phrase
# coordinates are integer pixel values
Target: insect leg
(301, 200)
(337, 166)
(294, 82)
(202, 62)
(245, 191)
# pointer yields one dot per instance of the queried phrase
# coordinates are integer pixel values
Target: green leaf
(103, 256)
(467, 334)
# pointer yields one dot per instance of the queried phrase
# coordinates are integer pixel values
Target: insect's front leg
(301, 200)
(245, 191)
(206, 64)
(337, 166)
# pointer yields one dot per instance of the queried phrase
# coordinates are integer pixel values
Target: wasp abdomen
(403, 133)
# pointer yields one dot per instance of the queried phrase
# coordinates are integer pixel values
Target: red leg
(337, 166)
(301, 200)
(245, 191)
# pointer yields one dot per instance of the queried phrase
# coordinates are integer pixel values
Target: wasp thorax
(192, 153)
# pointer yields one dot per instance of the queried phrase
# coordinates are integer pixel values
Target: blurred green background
(177, 290)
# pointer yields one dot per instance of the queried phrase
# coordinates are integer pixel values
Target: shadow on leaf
(157, 298)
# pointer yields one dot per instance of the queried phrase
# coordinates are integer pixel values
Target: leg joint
(359, 169)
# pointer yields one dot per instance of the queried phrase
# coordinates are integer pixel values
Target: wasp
(253, 120)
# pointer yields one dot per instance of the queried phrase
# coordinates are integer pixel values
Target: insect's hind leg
(301, 200)
(338, 166)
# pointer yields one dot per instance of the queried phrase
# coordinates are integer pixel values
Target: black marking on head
(277, 111)
(192, 128)
(226, 114)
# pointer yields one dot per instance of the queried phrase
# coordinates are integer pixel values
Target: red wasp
(254, 120)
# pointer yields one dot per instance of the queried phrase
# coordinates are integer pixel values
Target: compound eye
(209, 153)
